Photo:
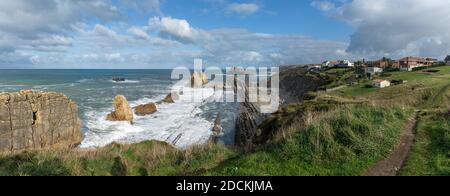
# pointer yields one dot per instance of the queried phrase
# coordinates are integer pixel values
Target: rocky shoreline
(35, 120)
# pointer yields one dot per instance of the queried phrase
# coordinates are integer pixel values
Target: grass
(418, 78)
(345, 141)
(430, 155)
(148, 158)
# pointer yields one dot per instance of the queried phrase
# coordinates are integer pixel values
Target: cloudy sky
(169, 33)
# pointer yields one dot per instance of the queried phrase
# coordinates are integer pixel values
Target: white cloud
(177, 29)
(138, 33)
(397, 28)
(243, 8)
(323, 5)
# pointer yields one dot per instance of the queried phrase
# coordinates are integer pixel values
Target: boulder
(122, 110)
(171, 97)
(32, 120)
(198, 80)
(145, 109)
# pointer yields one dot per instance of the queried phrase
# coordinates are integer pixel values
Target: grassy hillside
(431, 153)
(342, 132)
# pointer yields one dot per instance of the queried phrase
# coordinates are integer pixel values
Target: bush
(368, 86)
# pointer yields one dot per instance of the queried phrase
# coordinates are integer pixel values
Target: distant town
(370, 69)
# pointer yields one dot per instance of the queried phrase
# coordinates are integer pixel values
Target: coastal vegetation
(339, 132)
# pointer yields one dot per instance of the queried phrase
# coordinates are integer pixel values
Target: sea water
(181, 124)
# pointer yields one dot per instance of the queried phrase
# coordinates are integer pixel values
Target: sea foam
(179, 124)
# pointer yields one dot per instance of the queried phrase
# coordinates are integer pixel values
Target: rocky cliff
(35, 120)
(254, 128)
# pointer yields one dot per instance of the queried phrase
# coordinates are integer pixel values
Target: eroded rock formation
(171, 97)
(198, 80)
(122, 110)
(145, 109)
(35, 120)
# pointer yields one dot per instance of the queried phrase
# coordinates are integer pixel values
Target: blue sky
(169, 33)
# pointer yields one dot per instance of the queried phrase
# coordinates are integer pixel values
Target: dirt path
(394, 162)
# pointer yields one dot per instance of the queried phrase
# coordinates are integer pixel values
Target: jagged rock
(247, 130)
(198, 80)
(122, 110)
(145, 109)
(217, 129)
(35, 120)
(171, 97)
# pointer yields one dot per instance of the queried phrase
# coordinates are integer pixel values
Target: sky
(163, 34)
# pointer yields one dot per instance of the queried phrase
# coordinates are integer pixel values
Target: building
(373, 70)
(345, 63)
(447, 60)
(328, 64)
(381, 83)
(409, 63)
(380, 63)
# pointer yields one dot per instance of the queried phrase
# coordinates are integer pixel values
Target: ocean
(181, 124)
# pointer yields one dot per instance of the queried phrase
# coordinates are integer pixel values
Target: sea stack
(122, 111)
(32, 120)
(198, 80)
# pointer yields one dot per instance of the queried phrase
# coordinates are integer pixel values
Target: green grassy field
(345, 141)
(413, 78)
(430, 155)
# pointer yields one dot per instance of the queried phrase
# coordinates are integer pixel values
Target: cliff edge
(32, 120)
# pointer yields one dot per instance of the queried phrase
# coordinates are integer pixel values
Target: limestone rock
(35, 120)
(145, 109)
(198, 80)
(122, 110)
(171, 97)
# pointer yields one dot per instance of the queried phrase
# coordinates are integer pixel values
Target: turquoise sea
(181, 124)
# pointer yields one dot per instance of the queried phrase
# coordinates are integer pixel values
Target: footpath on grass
(394, 162)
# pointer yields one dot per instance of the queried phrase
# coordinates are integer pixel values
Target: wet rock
(145, 109)
(122, 111)
(171, 97)
(118, 79)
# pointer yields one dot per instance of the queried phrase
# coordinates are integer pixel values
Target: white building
(345, 63)
(373, 70)
(381, 83)
(329, 64)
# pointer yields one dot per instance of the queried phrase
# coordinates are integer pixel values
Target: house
(328, 64)
(380, 63)
(381, 83)
(409, 63)
(373, 70)
(345, 63)
(447, 60)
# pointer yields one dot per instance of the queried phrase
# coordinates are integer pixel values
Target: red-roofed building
(409, 63)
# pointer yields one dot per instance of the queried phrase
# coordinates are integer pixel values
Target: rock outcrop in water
(145, 109)
(37, 120)
(199, 79)
(118, 79)
(122, 110)
(171, 97)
